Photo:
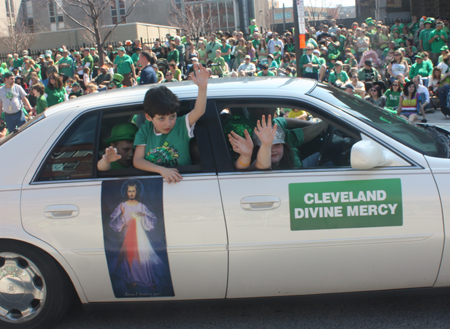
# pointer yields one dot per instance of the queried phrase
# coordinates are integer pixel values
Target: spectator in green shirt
(438, 39)
(174, 55)
(220, 67)
(424, 36)
(338, 77)
(265, 71)
(212, 46)
(41, 102)
(125, 67)
(65, 64)
(422, 68)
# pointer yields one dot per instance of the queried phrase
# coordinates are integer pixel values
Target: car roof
(227, 87)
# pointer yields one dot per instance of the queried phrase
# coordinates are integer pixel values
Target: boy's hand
(111, 155)
(200, 75)
(243, 146)
(171, 175)
(265, 131)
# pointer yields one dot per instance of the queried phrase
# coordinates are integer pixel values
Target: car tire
(35, 292)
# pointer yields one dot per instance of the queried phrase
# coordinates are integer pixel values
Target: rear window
(23, 127)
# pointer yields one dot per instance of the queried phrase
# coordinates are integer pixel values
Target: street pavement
(437, 118)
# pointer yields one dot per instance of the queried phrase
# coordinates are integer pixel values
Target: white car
(372, 214)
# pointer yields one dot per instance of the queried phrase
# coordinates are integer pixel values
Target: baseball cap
(349, 85)
(444, 48)
(247, 56)
(121, 48)
(419, 55)
(122, 132)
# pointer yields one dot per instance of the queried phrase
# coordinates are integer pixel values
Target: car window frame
(292, 102)
(203, 143)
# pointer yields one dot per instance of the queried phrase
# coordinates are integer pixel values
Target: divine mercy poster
(135, 238)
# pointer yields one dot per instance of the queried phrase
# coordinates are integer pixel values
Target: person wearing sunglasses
(376, 97)
(393, 96)
(397, 66)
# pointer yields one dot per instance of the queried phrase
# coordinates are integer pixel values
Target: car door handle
(60, 211)
(260, 202)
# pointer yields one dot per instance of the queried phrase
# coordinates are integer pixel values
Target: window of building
(118, 11)
(9, 5)
(56, 15)
(29, 15)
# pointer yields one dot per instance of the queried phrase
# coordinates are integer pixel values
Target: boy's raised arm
(200, 77)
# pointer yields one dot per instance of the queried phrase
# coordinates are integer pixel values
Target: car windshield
(23, 127)
(425, 141)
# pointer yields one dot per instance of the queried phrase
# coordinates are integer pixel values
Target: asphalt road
(429, 311)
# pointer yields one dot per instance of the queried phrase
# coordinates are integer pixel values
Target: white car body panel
(216, 249)
(441, 172)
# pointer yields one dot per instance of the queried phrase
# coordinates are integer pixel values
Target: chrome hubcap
(22, 288)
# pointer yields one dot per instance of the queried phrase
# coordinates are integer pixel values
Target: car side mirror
(368, 154)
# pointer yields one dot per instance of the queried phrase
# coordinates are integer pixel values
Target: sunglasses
(396, 54)
(395, 85)
(373, 90)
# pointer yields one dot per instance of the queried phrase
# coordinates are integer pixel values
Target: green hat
(171, 37)
(76, 53)
(115, 83)
(93, 48)
(332, 56)
(444, 48)
(369, 21)
(60, 50)
(118, 77)
(122, 132)
(121, 48)
(75, 84)
(419, 55)
(428, 21)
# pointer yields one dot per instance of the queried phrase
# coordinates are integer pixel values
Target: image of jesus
(137, 258)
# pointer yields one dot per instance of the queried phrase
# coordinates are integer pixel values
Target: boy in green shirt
(41, 102)
(163, 141)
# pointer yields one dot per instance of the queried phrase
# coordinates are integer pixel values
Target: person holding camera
(212, 46)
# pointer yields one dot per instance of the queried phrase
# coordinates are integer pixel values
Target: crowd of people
(403, 68)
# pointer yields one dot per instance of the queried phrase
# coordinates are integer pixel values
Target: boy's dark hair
(39, 87)
(161, 101)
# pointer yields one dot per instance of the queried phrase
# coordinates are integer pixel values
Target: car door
(332, 229)
(62, 204)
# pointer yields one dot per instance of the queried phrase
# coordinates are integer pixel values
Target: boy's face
(125, 150)
(163, 123)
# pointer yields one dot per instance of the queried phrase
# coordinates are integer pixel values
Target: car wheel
(34, 290)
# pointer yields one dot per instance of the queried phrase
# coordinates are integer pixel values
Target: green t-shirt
(55, 96)
(17, 63)
(225, 49)
(68, 71)
(425, 36)
(41, 104)
(424, 69)
(174, 56)
(255, 43)
(117, 165)
(278, 60)
(305, 60)
(252, 29)
(90, 60)
(269, 74)
(167, 150)
(135, 58)
(392, 98)
(216, 69)
(438, 43)
(342, 76)
(123, 64)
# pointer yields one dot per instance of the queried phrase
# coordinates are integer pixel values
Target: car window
(72, 156)
(419, 139)
(304, 139)
(198, 147)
